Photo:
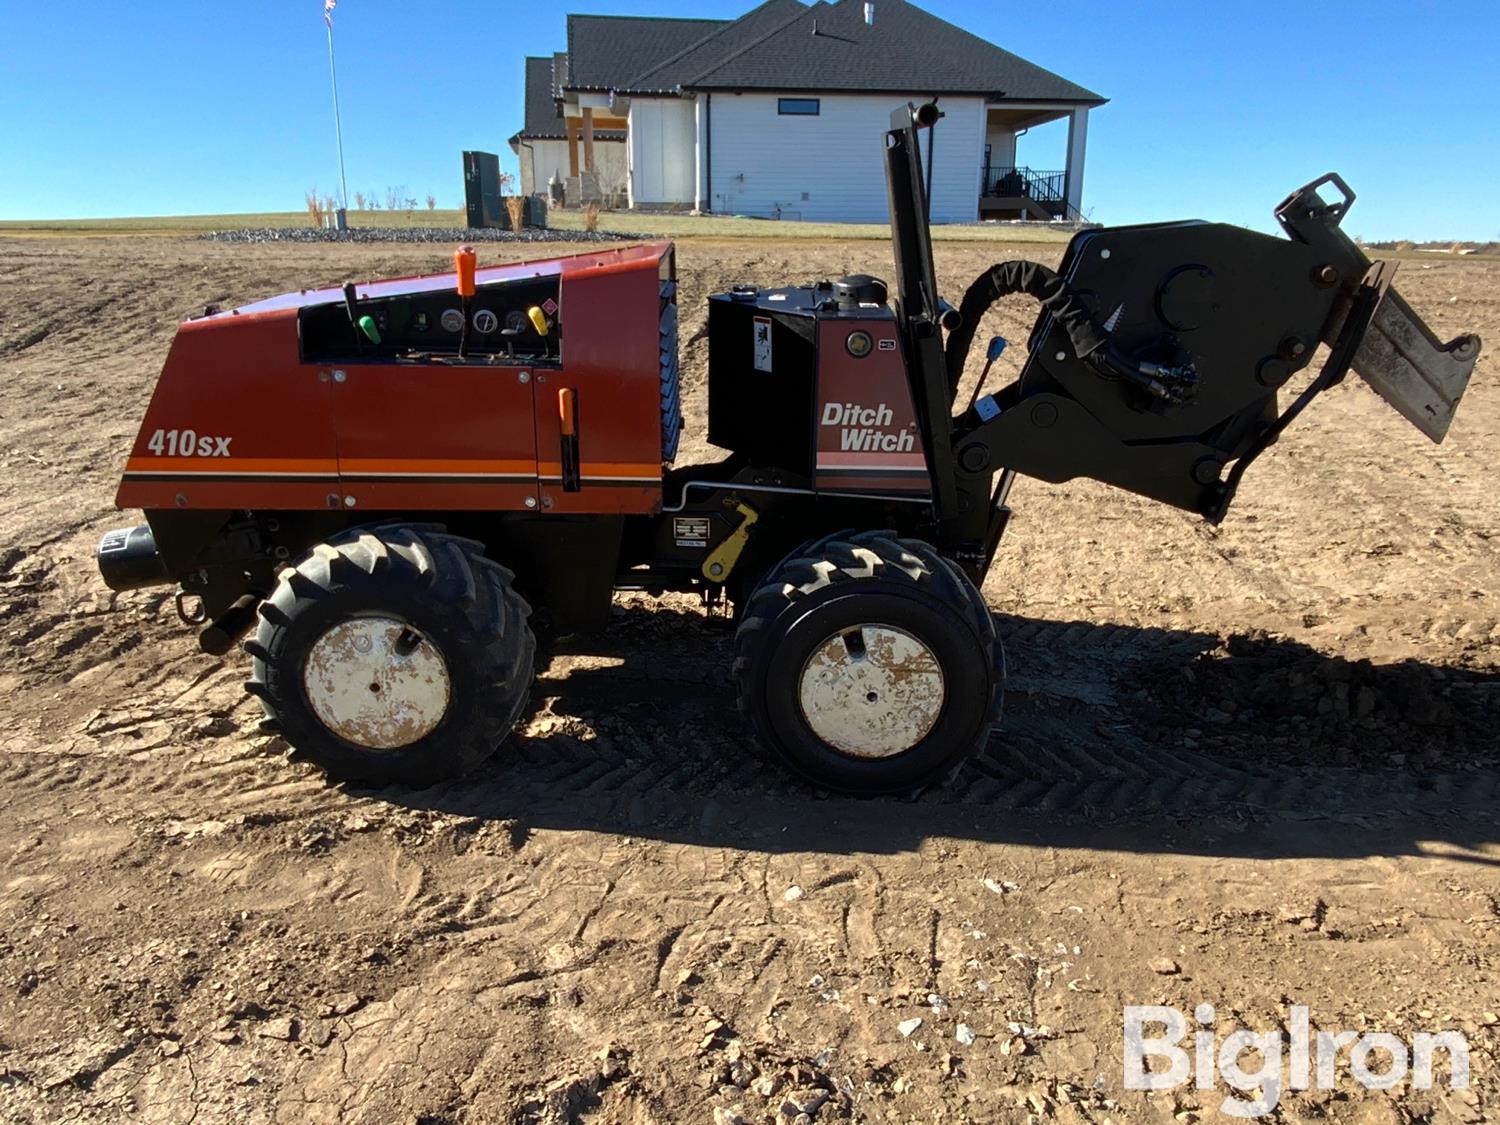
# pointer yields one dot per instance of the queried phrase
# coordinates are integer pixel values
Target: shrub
(515, 207)
(591, 217)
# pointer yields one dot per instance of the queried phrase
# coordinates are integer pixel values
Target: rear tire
(393, 655)
(869, 664)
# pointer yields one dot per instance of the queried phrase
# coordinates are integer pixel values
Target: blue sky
(1217, 109)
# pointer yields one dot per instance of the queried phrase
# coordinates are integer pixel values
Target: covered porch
(1010, 189)
(591, 124)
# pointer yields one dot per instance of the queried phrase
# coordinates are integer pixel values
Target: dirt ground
(1253, 766)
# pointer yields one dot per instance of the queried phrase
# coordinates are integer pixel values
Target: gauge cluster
(512, 321)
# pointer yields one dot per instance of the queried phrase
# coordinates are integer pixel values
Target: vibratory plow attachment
(1399, 357)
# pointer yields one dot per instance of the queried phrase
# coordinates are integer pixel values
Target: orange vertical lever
(567, 411)
(463, 264)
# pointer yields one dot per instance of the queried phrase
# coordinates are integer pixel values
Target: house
(781, 114)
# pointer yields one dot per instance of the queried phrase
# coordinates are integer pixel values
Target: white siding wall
(1002, 142)
(545, 159)
(832, 167)
(662, 142)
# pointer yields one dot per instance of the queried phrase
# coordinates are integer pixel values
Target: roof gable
(606, 52)
(723, 42)
(830, 47)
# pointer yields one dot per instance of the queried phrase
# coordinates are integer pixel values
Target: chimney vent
(869, 15)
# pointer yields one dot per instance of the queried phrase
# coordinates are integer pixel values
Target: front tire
(869, 664)
(393, 655)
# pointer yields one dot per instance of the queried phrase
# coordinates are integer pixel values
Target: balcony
(1024, 193)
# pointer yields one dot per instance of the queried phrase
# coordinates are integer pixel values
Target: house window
(797, 107)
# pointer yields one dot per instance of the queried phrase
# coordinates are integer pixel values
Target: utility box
(482, 191)
(485, 205)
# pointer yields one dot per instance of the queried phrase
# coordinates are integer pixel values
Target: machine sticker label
(866, 429)
(549, 306)
(886, 345)
(187, 443)
(762, 326)
(690, 531)
(114, 541)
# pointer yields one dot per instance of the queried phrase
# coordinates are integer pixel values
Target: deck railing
(1048, 189)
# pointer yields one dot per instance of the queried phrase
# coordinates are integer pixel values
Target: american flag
(328, 6)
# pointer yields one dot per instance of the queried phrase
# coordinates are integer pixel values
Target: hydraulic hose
(1035, 280)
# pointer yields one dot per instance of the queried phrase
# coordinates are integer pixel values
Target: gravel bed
(413, 234)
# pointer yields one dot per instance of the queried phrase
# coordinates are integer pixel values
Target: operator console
(426, 327)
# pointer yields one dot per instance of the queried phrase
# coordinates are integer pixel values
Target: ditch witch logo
(1377, 1060)
(864, 429)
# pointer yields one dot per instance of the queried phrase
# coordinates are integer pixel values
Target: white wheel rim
(377, 682)
(872, 691)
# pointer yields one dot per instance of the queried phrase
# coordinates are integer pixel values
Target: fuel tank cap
(859, 289)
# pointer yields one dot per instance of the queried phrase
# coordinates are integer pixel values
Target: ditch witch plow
(387, 486)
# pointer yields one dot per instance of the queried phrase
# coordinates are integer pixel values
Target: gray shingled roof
(606, 52)
(906, 50)
(785, 45)
(543, 117)
(724, 42)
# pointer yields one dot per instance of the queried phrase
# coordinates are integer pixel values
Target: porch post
(1078, 135)
(588, 139)
(572, 126)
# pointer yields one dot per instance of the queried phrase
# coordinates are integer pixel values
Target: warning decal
(690, 531)
(763, 343)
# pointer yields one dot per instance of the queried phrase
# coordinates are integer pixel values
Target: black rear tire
(935, 674)
(463, 654)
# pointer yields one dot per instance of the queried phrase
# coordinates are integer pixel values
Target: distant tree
(431, 201)
(359, 200)
(507, 183)
(394, 196)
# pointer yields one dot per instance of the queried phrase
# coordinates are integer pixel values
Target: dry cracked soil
(1252, 766)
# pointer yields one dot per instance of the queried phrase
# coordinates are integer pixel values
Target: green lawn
(647, 224)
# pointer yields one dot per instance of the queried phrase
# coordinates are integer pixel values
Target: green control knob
(367, 326)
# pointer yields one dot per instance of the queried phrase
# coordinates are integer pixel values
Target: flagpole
(338, 129)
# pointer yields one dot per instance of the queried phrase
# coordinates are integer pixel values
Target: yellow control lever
(721, 559)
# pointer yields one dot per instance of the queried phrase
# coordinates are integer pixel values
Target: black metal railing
(1013, 182)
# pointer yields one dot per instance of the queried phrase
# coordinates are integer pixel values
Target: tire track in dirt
(1063, 748)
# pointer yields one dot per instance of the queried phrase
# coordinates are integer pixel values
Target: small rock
(900, 1086)
(170, 1047)
(949, 1065)
(768, 1086)
(1163, 966)
(792, 893)
(965, 1035)
(907, 1027)
(724, 1116)
(228, 1035)
(936, 1003)
(343, 1004)
(284, 1029)
(614, 1061)
(319, 1033)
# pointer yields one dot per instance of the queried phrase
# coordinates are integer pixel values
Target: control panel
(505, 322)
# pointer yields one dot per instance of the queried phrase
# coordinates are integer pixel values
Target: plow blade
(1399, 356)
(1406, 365)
